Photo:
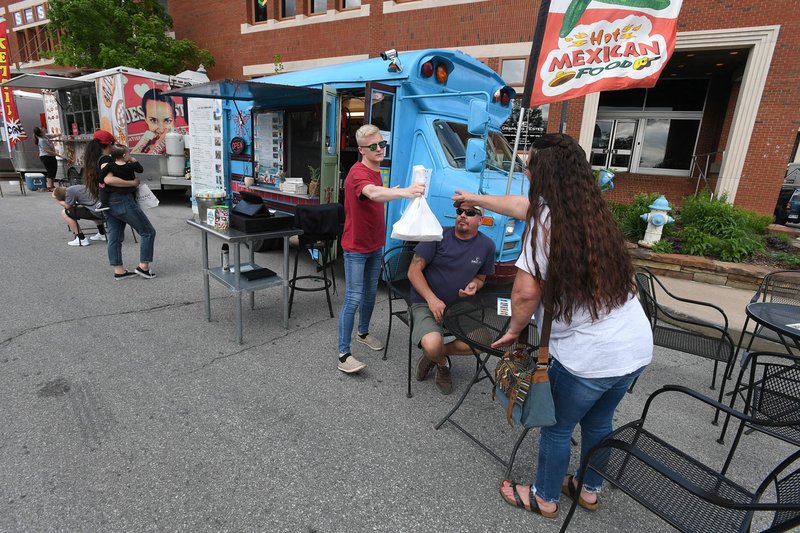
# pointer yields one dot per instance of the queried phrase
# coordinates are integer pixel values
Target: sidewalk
(732, 301)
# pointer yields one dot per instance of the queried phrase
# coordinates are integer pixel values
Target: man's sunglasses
(374, 146)
(468, 212)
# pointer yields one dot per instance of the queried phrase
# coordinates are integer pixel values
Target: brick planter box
(702, 269)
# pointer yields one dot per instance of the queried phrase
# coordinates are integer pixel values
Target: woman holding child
(600, 339)
(111, 167)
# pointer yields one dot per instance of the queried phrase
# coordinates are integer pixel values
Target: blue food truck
(290, 138)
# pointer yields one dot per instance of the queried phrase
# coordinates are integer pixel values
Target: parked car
(788, 207)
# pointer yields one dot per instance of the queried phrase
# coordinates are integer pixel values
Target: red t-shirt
(364, 224)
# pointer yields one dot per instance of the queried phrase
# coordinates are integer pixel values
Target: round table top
(475, 320)
(783, 318)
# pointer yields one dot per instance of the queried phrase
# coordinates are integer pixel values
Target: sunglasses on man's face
(374, 146)
(468, 212)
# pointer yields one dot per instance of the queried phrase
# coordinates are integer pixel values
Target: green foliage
(662, 247)
(628, 216)
(718, 229)
(791, 261)
(109, 33)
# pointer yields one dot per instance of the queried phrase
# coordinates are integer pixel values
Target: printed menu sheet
(205, 142)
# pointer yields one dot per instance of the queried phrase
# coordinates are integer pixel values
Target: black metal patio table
(476, 321)
(783, 319)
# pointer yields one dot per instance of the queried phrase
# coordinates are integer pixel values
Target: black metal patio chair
(394, 271)
(683, 333)
(682, 489)
(772, 395)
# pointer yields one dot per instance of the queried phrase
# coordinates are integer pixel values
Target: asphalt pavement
(123, 409)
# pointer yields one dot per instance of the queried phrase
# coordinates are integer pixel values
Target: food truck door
(380, 112)
(329, 170)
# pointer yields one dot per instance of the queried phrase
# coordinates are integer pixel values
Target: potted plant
(313, 180)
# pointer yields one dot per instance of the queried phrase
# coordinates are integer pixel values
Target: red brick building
(727, 107)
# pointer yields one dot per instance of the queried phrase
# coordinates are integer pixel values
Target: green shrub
(791, 261)
(662, 247)
(628, 216)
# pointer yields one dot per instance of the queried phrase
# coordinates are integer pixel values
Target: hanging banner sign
(14, 130)
(588, 46)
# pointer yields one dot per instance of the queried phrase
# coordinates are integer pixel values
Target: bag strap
(543, 354)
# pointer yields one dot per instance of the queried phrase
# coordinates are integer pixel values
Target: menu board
(268, 148)
(205, 144)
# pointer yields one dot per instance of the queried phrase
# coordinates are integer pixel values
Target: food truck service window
(268, 132)
(80, 108)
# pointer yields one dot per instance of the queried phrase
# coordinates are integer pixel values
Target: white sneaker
(79, 242)
(351, 365)
(97, 237)
(371, 342)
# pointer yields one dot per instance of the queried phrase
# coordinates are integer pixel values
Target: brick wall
(508, 21)
(216, 25)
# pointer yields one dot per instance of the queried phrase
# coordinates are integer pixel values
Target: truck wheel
(267, 245)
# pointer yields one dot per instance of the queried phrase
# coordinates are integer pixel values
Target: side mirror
(478, 119)
(476, 155)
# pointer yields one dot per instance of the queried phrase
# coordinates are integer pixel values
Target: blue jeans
(361, 273)
(588, 401)
(124, 210)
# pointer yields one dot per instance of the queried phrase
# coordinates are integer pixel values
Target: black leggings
(50, 165)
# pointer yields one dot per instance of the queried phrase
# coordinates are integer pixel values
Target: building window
(40, 14)
(29, 15)
(288, 9)
(318, 6)
(650, 131)
(513, 71)
(18, 18)
(260, 10)
(349, 4)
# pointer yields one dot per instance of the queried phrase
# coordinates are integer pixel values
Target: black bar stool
(322, 226)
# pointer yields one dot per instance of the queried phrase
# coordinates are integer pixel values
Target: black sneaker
(124, 275)
(145, 273)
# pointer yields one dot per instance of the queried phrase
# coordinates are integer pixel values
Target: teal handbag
(521, 382)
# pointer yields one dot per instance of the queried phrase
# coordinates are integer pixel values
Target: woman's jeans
(123, 210)
(588, 401)
(361, 273)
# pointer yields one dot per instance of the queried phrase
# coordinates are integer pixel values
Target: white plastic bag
(418, 223)
(145, 197)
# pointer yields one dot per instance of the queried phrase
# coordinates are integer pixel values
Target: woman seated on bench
(79, 204)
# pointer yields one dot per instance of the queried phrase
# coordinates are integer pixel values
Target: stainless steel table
(233, 280)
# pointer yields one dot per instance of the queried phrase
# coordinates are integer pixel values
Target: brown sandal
(532, 507)
(570, 490)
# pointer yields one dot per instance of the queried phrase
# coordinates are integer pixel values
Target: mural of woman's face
(159, 117)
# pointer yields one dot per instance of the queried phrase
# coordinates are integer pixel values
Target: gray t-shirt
(78, 195)
(44, 145)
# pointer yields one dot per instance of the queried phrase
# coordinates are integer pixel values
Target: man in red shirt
(364, 236)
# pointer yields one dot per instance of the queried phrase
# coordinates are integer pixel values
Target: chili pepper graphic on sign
(577, 7)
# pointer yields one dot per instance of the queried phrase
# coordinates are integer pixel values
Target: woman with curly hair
(600, 339)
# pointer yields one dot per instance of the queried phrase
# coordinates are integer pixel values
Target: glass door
(379, 108)
(329, 171)
(612, 144)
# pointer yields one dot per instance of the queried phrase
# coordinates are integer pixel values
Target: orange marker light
(441, 73)
(487, 221)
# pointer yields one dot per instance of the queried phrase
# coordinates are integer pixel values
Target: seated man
(440, 273)
(79, 204)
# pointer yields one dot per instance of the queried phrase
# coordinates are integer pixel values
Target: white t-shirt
(615, 344)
